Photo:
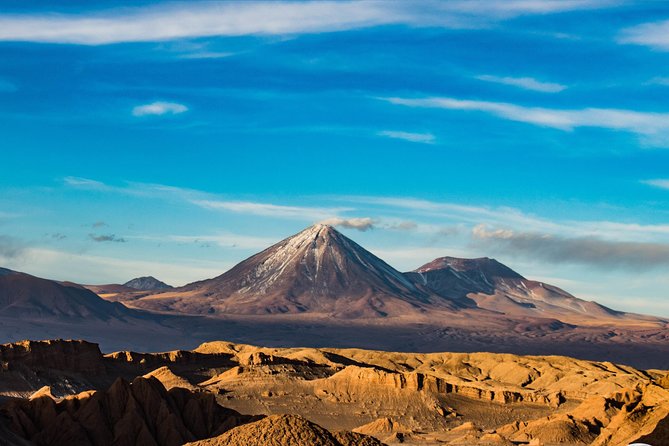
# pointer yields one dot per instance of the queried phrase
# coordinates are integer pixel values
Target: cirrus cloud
(527, 83)
(659, 183)
(159, 108)
(425, 138)
(652, 34)
(173, 21)
(653, 126)
(268, 209)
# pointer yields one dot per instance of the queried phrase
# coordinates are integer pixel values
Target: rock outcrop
(127, 414)
(74, 356)
(287, 430)
(635, 415)
(170, 380)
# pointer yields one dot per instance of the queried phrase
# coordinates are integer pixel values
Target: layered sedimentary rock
(76, 356)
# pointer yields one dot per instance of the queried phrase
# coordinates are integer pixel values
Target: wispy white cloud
(148, 190)
(472, 214)
(225, 240)
(515, 8)
(514, 218)
(451, 214)
(159, 108)
(85, 183)
(206, 55)
(236, 18)
(527, 83)
(209, 201)
(661, 183)
(361, 223)
(652, 34)
(648, 124)
(425, 138)
(659, 80)
(270, 210)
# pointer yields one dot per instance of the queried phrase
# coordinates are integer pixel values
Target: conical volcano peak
(316, 229)
(318, 235)
(318, 270)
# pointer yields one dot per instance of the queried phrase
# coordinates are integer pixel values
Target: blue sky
(176, 139)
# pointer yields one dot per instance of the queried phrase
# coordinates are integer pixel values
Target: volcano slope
(315, 394)
(496, 287)
(318, 271)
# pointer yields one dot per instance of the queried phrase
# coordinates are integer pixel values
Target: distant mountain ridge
(318, 270)
(319, 288)
(494, 286)
(35, 308)
(145, 283)
(26, 296)
(321, 271)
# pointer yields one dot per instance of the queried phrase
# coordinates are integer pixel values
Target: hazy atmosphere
(176, 139)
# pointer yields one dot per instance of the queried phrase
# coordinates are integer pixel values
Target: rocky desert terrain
(221, 393)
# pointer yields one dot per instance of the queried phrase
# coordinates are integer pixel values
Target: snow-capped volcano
(320, 261)
(318, 270)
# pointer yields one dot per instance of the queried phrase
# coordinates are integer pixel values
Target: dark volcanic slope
(36, 308)
(496, 287)
(26, 296)
(318, 270)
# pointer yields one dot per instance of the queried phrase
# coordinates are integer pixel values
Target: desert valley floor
(68, 392)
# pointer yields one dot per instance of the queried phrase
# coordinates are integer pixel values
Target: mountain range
(319, 271)
(318, 288)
